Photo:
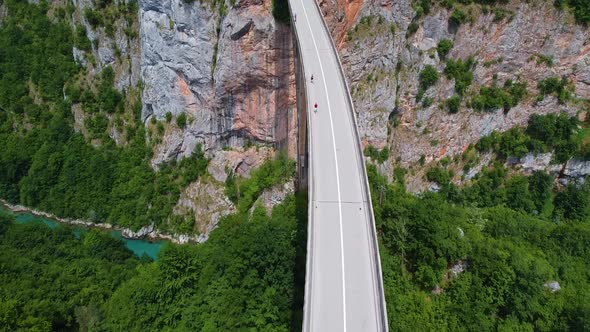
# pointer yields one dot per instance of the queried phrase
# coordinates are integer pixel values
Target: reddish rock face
(340, 15)
(382, 60)
(233, 77)
(255, 80)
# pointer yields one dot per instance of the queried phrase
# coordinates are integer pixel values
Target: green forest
(247, 276)
(504, 235)
(513, 233)
(45, 163)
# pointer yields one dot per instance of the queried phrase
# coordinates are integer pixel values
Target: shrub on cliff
(461, 71)
(560, 88)
(444, 47)
(454, 104)
(181, 120)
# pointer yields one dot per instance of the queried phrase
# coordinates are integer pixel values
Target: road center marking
(337, 168)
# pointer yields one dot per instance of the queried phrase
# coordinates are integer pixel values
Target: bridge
(343, 287)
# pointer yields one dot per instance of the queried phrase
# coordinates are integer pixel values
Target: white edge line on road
(337, 171)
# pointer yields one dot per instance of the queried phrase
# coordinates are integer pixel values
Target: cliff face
(196, 73)
(522, 42)
(232, 76)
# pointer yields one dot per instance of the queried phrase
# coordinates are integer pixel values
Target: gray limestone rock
(140, 234)
(383, 69)
(79, 57)
(577, 168)
(553, 286)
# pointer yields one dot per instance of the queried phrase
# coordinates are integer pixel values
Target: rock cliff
(390, 43)
(232, 76)
(218, 74)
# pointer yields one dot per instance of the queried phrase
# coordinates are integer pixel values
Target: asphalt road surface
(343, 283)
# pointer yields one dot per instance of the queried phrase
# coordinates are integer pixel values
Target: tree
(572, 202)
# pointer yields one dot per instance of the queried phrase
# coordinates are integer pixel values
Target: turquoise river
(139, 247)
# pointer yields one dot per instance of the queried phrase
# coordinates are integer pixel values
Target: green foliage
(458, 17)
(540, 185)
(81, 40)
(509, 254)
(93, 17)
(422, 7)
(427, 102)
(556, 132)
(545, 59)
(544, 133)
(493, 98)
(181, 120)
(51, 280)
(462, 72)
(572, 203)
(249, 275)
(109, 98)
(244, 192)
(427, 78)
(34, 50)
(280, 11)
(379, 156)
(580, 8)
(444, 47)
(242, 278)
(562, 89)
(412, 28)
(453, 104)
(439, 175)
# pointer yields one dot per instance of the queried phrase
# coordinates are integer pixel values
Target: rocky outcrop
(383, 60)
(274, 196)
(120, 52)
(232, 76)
(576, 169)
(238, 162)
(139, 234)
(145, 232)
(340, 16)
(205, 202)
(552, 286)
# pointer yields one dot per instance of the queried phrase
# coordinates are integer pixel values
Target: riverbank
(146, 232)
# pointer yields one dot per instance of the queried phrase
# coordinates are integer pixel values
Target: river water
(138, 247)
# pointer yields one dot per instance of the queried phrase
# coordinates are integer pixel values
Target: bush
(461, 72)
(493, 98)
(82, 42)
(458, 17)
(453, 104)
(444, 47)
(439, 175)
(562, 89)
(412, 28)
(428, 77)
(93, 17)
(181, 120)
(580, 8)
(379, 156)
